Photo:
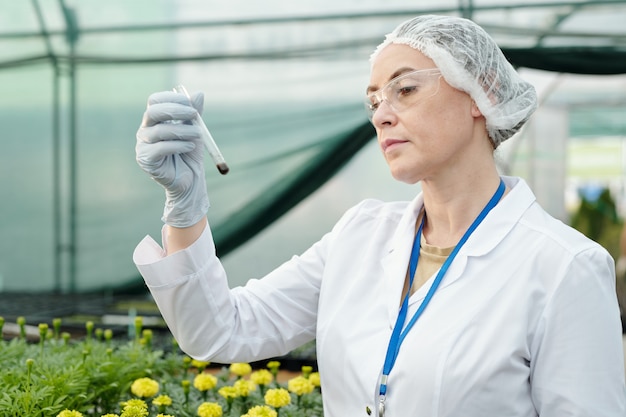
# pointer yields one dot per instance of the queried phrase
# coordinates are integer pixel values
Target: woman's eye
(373, 103)
(406, 90)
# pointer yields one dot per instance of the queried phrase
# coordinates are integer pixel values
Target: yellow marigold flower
(204, 382)
(261, 411)
(70, 413)
(228, 392)
(199, 364)
(162, 400)
(277, 397)
(240, 369)
(164, 415)
(210, 410)
(110, 415)
(261, 377)
(135, 402)
(244, 387)
(315, 379)
(144, 387)
(134, 411)
(300, 385)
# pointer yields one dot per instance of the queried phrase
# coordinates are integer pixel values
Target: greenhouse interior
(76, 76)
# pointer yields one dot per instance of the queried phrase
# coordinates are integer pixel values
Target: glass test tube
(208, 140)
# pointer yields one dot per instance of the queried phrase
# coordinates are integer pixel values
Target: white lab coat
(525, 322)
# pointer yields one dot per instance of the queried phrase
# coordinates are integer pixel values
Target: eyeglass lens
(404, 91)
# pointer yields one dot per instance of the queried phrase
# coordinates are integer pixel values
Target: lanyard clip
(381, 406)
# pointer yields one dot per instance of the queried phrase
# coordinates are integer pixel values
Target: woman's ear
(475, 110)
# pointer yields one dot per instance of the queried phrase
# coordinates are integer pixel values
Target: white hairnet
(471, 61)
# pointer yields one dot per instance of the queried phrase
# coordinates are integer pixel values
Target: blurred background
(283, 84)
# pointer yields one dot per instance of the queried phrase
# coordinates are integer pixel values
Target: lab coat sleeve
(267, 317)
(190, 290)
(578, 367)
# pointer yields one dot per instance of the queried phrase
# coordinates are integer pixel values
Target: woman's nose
(384, 115)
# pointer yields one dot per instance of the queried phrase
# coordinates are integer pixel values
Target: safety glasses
(404, 91)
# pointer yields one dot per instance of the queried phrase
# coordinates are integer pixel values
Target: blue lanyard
(397, 336)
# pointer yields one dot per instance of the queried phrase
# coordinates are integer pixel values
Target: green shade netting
(283, 91)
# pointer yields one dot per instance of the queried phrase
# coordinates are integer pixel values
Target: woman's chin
(404, 175)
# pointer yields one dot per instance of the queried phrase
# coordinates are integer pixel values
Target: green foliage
(598, 220)
(92, 377)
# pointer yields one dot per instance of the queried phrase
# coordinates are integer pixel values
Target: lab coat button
(368, 410)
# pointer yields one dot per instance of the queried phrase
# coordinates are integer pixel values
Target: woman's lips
(388, 143)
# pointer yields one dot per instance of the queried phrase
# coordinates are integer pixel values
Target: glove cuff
(188, 209)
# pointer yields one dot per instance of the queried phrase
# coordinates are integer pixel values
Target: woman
(468, 301)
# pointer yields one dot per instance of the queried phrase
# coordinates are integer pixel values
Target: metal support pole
(56, 179)
(72, 34)
(56, 152)
(466, 7)
(73, 191)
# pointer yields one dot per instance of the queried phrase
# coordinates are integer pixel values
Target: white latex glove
(170, 150)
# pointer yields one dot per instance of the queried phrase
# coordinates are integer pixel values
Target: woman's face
(429, 138)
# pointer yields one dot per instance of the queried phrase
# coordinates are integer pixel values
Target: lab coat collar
(396, 260)
(485, 238)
